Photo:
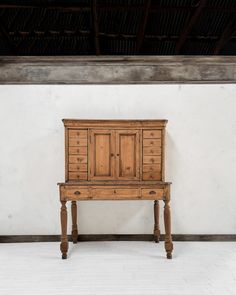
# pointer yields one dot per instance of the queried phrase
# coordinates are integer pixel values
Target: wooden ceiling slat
(143, 24)
(190, 25)
(95, 30)
(227, 34)
(4, 33)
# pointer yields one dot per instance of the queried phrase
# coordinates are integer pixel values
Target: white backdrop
(201, 156)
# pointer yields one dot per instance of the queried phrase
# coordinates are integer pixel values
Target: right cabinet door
(127, 154)
(152, 154)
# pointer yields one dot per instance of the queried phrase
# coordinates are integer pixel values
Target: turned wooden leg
(156, 231)
(168, 239)
(64, 240)
(74, 232)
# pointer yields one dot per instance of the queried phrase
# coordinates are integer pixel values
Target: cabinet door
(102, 154)
(127, 154)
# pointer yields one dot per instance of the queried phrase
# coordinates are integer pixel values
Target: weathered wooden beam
(189, 26)
(117, 70)
(227, 34)
(142, 26)
(95, 29)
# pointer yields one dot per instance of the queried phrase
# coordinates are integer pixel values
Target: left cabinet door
(101, 154)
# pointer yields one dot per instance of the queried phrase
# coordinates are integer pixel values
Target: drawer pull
(77, 142)
(152, 160)
(77, 192)
(152, 193)
(152, 134)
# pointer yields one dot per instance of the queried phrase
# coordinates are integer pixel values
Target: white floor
(118, 268)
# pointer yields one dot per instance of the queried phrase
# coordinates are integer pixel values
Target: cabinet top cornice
(115, 123)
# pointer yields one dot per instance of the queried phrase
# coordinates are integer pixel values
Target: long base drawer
(81, 192)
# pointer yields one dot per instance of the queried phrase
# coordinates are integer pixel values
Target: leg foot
(168, 255)
(74, 235)
(64, 256)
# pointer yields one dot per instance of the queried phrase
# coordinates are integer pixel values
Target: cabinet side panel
(66, 153)
(163, 147)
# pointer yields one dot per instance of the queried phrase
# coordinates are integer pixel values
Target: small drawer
(80, 150)
(151, 133)
(78, 167)
(115, 193)
(78, 142)
(78, 175)
(77, 193)
(152, 194)
(152, 175)
(78, 159)
(151, 159)
(152, 168)
(151, 142)
(78, 133)
(151, 150)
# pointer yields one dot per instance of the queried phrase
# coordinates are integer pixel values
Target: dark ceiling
(118, 27)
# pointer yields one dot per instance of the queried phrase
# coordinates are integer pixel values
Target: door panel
(127, 154)
(102, 149)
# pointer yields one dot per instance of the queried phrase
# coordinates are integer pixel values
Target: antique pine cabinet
(115, 160)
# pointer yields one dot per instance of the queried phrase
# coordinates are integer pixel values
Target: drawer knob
(152, 134)
(114, 191)
(152, 193)
(77, 142)
(77, 192)
(152, 160)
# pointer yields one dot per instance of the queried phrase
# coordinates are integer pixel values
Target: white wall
(201, 156)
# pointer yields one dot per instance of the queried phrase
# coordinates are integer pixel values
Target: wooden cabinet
(115, 160)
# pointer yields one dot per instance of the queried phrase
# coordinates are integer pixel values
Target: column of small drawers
(78, 154)
(151, 154)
